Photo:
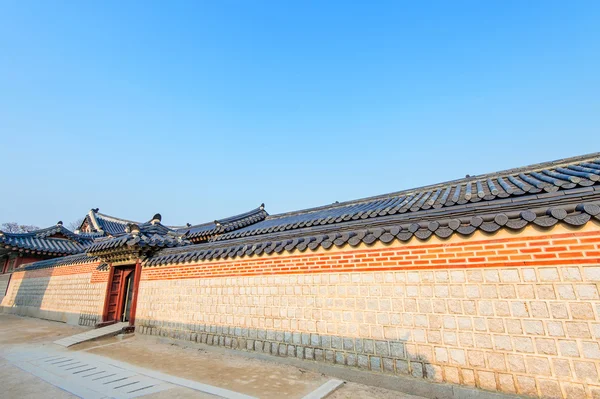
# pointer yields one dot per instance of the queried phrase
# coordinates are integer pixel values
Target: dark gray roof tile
(77, 259)
(208, 230)
(513, 185)
(509, 199)
(55, 241)
(544, 217)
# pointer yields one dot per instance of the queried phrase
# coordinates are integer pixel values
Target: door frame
(137, 271)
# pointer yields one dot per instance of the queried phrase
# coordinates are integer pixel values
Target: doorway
(128, 297)
(120, 292)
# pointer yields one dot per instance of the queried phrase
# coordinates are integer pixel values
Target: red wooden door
(114, 295)
(120, 302)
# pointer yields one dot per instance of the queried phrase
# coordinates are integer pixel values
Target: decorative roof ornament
(262, 206)
(138, 241)
(217, 223)
(134, 229)
(59, 223)
(95, 210)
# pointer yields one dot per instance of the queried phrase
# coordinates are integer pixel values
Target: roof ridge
(34, 233)
(115, 219)
(229, 219)
(26, 234)
(241, 216)
(529, 168)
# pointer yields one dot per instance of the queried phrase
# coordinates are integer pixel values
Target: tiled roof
(77, 259)
(89, 236)
(572, 215)
(565, 191)
(205, 231)
(140, 240)
(104, 223)
(42, 242)
(150, 235)
(60, 230)
(537, 181)
(110, 225)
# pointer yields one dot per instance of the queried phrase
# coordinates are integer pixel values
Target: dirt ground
(251, 376)
(222, 368)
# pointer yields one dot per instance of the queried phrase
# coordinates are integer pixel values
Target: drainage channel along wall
(72, 294)
(517, 313)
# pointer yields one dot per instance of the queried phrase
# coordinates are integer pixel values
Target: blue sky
(199, 110)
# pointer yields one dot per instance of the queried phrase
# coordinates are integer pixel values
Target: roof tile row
(572, 215)
(55, 240)
(487, 188)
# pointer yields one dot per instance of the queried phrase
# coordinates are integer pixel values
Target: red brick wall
(97, 276)
(570, 248)
(514, 313)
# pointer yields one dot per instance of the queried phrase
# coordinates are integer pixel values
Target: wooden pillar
(18, 261)
(106, 296)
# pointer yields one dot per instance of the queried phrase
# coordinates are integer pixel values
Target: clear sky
(203, 109)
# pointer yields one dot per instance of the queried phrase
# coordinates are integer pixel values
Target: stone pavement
(85, 377)
(32, 367)
(95, 377)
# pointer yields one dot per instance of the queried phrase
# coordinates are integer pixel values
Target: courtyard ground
(240, 372)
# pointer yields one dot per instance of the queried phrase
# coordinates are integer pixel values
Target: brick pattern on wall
(99, 276)
(515, 314)
(532, 328)
(60, 293)
(570, 248)
(526, 330)
(59, 271)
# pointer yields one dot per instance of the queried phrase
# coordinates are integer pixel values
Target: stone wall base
(367, 354)
(64, 317)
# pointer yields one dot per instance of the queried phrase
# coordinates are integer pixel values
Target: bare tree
(13, 227)
(74, 225)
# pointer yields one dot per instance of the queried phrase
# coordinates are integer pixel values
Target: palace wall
(71, 294)
(4, 279)
(516, 313)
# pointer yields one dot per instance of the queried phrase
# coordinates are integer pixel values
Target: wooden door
(120, 302)
(114, 295)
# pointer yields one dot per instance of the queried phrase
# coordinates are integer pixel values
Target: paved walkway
(90, 335)
(96, 377)
(85, 377)
(33, 367)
